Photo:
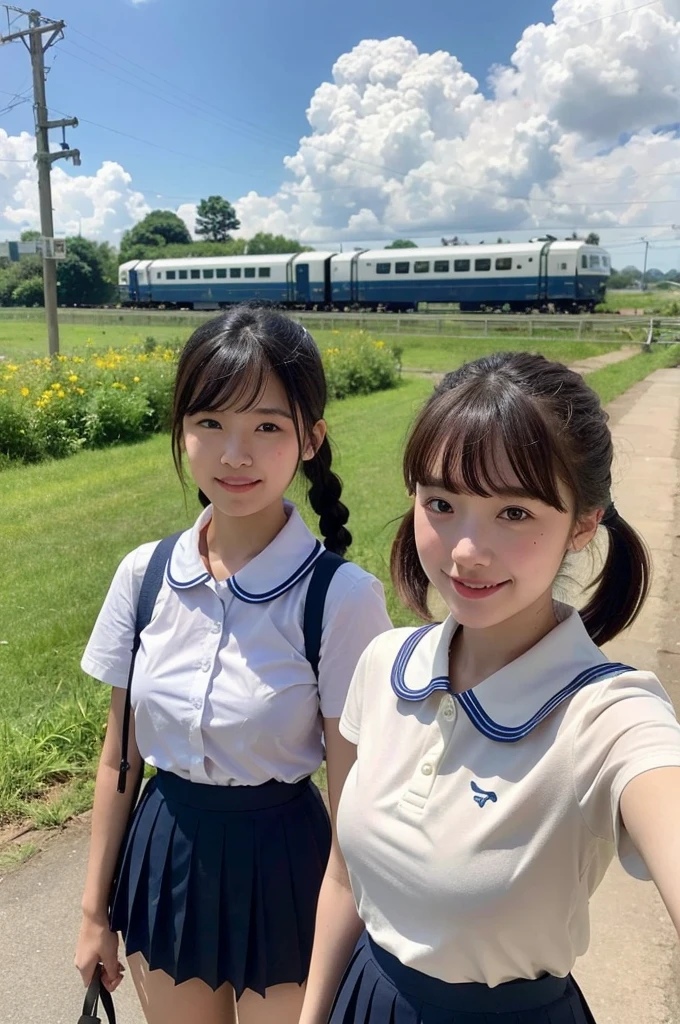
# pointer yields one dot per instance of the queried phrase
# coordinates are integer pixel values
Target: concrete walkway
(631, 972)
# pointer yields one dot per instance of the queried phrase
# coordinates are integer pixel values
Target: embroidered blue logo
(483, 795)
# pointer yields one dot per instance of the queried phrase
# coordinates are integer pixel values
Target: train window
(584, 262)
(504, 263)
(563, 266)
(441, 266)
(221, 272)
(383, 268)
(483, 264)
(402, 268)
(169, 275)
(460, 265)
(421, 267)
(594, 261)
(264, 272)
(195, 274)
(208, 274)
(182, 275)
(249, 272)
(234, 272)
(605, 261)
(159, 275)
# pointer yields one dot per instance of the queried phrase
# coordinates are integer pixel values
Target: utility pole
(38, 27)
(643, 284)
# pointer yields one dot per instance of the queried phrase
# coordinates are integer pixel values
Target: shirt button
(216, 627)
(449, 712)
(205, 664)
(198, 703)
(427, 769)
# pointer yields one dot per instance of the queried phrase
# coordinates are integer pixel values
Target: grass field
(662, 303)
(65, 526)
(27, 340)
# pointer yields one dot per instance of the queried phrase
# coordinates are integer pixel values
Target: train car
(293, 279)
(543, 274)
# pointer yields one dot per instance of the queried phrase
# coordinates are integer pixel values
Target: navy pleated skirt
(378, 989)
(221, 882)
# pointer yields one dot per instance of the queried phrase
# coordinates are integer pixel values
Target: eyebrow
(501, 492)
(273, 411)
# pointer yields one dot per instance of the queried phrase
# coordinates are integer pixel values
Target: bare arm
(650, 809)
(110, 816)
(338, 925)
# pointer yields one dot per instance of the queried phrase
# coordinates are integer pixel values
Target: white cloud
(405, 142)
(101, 205)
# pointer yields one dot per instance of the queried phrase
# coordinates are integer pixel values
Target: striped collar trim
(290, 556)
(527, 690)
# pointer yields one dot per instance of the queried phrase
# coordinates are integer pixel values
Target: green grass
(65, 526)
(662, 303)
(16, 855)
(21, 340)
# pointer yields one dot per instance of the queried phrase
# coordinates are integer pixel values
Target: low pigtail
(408, 576)
(622, 585)
(324, 497)
(205, 501)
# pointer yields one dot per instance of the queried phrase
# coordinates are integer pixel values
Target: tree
(593, 238)
(264, 244)
(215, 218)
(30, 236)
(87, 276)
(402, 243)
(29, 292)
(157, 229)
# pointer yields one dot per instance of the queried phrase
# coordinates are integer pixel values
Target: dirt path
(631, 973)
(583, 366)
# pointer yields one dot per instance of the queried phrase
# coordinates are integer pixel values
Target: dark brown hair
(544, 421)
(227, 360)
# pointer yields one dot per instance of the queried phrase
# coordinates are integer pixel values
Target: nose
(235, 453)
(469, 550)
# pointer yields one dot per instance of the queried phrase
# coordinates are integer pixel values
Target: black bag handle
(95, 994)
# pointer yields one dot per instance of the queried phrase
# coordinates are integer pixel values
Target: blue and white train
(544, 274)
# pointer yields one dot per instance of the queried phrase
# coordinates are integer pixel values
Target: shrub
(51, 408)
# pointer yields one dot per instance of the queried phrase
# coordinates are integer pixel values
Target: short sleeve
(355, 614)
(109, 650)
(628, 728)
(350, 722)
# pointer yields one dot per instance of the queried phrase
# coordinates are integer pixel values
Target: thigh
(282, 1005)
(163, 1002)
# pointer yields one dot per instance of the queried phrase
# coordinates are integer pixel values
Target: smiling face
(243, 459)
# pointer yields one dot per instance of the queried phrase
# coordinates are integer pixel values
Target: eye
(438, 506)
(515, 514)
(269, 428)
(210, 424)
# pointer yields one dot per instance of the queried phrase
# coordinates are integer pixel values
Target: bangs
(232, 376)
(485, 440)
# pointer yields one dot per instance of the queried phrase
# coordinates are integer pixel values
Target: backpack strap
(324, 570)
(151, 585)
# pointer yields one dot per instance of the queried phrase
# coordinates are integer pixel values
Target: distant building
(13, 251)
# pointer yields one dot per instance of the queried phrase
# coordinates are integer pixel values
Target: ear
(315, 440)
(584, 530)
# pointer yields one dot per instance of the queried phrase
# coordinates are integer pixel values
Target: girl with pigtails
(231, 689)
(499, 759)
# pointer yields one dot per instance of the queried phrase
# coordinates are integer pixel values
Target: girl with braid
(214, 881)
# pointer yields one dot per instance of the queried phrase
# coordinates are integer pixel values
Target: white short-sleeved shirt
(222, 692)
(476, 826)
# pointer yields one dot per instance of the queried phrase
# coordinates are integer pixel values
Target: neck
(232, 541)
(477, 653)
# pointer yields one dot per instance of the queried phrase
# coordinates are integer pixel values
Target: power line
(615, 14)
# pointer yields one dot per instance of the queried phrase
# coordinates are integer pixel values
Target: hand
(97, 944)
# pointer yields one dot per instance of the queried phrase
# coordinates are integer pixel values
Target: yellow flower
(81, 391)
(62, 359)
(12, 367)
(73, 378)
(25, 392)
(117, 384)
(3, 391)
(56, 387)
(380, 344)
(61, 394)
(136, 380)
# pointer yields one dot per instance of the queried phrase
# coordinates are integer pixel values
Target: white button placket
(425, 775)
(212, 637)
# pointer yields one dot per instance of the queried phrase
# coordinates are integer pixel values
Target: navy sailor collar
(283, 563)
(509, 704)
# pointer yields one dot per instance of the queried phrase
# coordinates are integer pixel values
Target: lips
(236, 484)
(475, 590)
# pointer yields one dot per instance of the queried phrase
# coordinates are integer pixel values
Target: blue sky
(204, 98)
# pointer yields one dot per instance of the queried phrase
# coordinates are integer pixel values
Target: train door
(354, 277)
(133, 286)
(302, 282)
(543, 276)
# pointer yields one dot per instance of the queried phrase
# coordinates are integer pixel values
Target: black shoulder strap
(151, 584)
(97, 993)
(324, 570)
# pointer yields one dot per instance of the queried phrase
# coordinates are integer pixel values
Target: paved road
(631, 972)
